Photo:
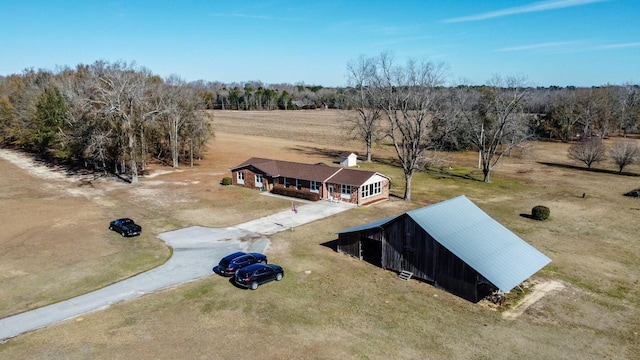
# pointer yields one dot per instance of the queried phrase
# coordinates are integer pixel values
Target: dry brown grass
(329, 305)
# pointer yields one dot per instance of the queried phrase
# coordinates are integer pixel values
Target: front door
(330, 192)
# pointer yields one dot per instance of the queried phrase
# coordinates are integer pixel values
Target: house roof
(351, 176)
(487, 246)
(316, 172)
(279, 168)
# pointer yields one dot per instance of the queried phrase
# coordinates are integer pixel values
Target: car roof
(253, 267)
(234, 255)
(257, 266)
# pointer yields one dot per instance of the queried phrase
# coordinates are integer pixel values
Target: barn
(453, 245)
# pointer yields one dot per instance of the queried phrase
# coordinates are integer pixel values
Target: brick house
(330, 183)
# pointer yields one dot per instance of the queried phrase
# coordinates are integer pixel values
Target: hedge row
(296, 193)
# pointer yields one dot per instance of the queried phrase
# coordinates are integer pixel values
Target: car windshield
(127, 222)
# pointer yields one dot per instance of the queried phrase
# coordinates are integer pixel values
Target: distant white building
(348, 159)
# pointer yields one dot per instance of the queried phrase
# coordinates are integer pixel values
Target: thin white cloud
(569, 46)
(534, 7)
(620, 46)
(549, 45)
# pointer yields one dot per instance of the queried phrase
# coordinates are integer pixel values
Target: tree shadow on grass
(443, 174)
(310, 150)
(581, 168)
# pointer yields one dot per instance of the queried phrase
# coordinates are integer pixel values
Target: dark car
(257, 274)
(125, 227)
(232, 262)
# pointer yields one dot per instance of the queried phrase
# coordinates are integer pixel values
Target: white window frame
(259, 178)
(365, 191)
(345, 191)
(240, 177)
(377, 188)
(314, 187)
(372, 189)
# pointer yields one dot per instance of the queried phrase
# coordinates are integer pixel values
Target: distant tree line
(254, 95)
(410, 105)
(113, 117)
(109, 117)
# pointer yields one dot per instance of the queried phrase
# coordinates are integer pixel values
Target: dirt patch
(539, 291)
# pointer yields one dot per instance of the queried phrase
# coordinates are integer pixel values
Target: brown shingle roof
(315, 172)
(351, 177)
(279, 168)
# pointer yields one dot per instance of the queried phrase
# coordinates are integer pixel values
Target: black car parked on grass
(257, 274)
(125, 227)
(232, 262)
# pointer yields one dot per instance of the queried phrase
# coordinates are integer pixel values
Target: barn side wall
(454, 275)
(408, 247)
(349, 244)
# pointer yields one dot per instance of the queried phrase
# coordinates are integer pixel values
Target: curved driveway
(195, 251)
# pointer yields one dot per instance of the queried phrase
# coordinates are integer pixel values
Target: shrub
(296, 193)
(540, 212)
(226, 181)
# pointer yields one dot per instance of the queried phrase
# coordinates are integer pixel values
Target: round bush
(540, 212)
(226, 181)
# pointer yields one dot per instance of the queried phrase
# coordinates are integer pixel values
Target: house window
(259, 180)
(298, 185)
(314, 187)
(377, 188)
(345, 191)
(240, 177)
(371, 189)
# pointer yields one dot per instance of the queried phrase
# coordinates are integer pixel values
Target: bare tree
(364, 124)
(119, 97)
(495, 118)
(624, 153)
(564, 115)
(589, 151)
(629, 108)
(178, 106)
(411, 98)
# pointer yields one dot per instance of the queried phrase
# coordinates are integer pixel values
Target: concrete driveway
(196, 250)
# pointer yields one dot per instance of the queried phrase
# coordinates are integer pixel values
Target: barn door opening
(371, 250)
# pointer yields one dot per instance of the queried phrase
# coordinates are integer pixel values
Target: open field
(56, 244)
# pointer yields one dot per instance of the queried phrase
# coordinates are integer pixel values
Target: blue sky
(552, 42)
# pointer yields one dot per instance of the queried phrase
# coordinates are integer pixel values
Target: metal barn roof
(367, 226)
(481, 242)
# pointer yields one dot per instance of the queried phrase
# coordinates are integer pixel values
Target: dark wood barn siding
(354, 243)
(349, 244)
(408, 247)
(454, 275)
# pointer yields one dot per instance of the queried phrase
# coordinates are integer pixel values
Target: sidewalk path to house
(196, 250)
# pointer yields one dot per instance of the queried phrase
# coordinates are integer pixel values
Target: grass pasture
(328, 306)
